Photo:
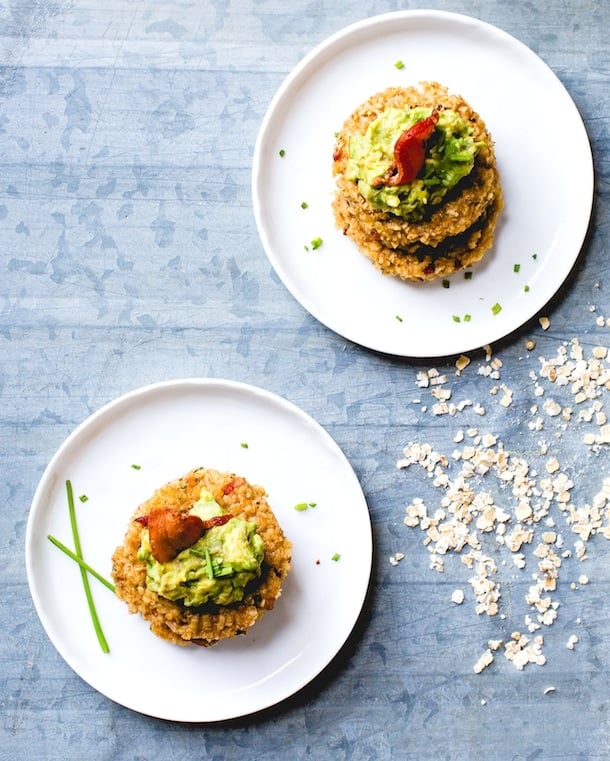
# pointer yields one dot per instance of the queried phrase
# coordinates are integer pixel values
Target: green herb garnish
(526, 288)
(304, 205)
(84, 498)
(516, 267)
(79, 554)
(496, 308)
(336, 557)
(208, 564)
(468, 275)
(467, 318)
(300, 506)
(135, 466)
(222, 570)
(399, 318)
(67, 551)
(316, 243)
(282, 153)
(399, 65)
(455, 318)
(244, 445)
(446, 283)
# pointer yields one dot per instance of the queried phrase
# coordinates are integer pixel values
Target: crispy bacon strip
(409, 153)
(233, 484)
(172, 531)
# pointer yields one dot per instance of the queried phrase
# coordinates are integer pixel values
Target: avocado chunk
(450, 156)
(216, 569)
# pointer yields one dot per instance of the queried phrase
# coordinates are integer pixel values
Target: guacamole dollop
(450, 155)
(216, 569)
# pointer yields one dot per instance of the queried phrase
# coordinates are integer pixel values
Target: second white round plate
(548, 199)
(117, 458)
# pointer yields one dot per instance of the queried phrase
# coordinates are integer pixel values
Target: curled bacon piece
(233, 484)
(216, 520)
(172, 531)
(409, 153)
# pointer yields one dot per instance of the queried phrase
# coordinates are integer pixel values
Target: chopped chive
(208, 563)
(85, 578)
(399, 65)
(526, 288)
(516, 267)
(455, 318)
(304, 205)
(496, 308)
(244, 445)
(84, 498)
(282, 153)
(81, 562)
(399, 318)
(336, 557)
(468, 275)
(316, 243)
(534, 256)
(467, 318)
(300, 506)
(446, 284)
(135, 466)
(312, 504)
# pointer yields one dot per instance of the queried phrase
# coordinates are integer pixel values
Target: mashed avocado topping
(215, 569)
(449, 157)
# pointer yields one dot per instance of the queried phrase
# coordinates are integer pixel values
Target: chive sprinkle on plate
(316, 243)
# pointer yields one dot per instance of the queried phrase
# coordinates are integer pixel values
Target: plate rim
(204, 384)
(301, 68)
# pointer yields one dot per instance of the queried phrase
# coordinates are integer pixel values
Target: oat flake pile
(491, 506)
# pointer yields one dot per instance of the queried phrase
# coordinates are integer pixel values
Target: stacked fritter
(452, 234)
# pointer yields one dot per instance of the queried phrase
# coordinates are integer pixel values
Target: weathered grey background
(129, 255)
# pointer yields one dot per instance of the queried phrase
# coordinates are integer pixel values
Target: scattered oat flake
(572, 642)
(545, 323)
(457, 596)
(552, 465)
(484, 661)
(462, 363)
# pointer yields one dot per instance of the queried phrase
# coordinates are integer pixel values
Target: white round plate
(543, 155)
(166, 429)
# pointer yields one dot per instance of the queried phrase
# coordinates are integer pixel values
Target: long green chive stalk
(81, 562)
(79, 554)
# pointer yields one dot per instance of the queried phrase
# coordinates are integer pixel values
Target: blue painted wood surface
(129, 255)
